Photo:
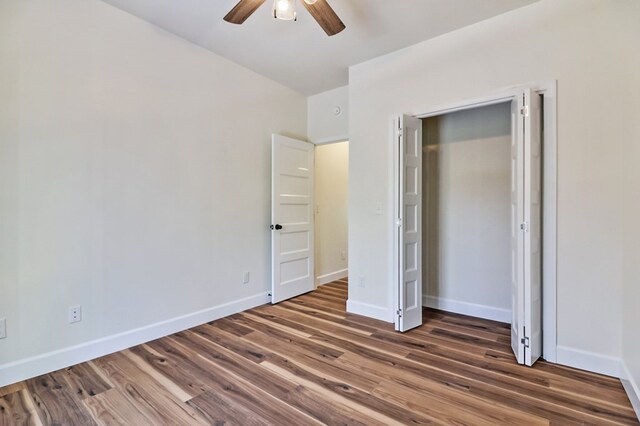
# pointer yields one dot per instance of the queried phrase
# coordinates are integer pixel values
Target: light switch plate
(3, 328)
(361, 282)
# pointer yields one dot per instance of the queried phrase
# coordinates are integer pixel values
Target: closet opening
(475, 215)
(466, 212)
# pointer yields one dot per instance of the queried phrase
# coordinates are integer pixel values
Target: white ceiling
(299, 54)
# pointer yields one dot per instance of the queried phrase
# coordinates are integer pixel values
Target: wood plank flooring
(307, 362)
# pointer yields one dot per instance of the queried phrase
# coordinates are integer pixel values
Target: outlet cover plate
(75, 314)
(3, 328)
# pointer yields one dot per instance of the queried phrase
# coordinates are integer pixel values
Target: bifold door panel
(526, 228)
(409, 222)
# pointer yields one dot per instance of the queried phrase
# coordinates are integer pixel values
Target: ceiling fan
(285, 9)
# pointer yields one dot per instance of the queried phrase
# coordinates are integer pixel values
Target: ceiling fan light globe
(284, 9)
(310, 1)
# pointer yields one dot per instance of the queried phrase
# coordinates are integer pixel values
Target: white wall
(466, 212)
(590, 47)
(331, 218)
(631, 321)
(135, 180)
(325, 123)
(631, 209)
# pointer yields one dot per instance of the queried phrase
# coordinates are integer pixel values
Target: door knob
(277, 227)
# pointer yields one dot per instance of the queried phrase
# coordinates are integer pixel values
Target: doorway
(526, 107)
(331, 212)
(466, 212)
(308, 216)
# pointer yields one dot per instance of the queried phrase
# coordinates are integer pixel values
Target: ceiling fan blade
(325, 16)
(242, 11)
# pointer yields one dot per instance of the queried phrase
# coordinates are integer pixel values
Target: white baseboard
(631, 387)
(465, 308)
(45, 363)
(327, 278)
(590, 361)
(372, 311)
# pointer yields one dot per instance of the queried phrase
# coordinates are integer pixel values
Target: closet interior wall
(466, 219)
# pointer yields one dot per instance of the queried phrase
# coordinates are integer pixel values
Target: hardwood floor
(306, 361)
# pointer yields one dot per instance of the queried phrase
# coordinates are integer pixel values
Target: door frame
(549, 209)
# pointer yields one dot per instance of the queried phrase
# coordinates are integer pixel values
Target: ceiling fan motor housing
(320, 10)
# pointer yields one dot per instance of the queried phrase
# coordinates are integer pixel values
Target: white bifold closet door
(408, 236)
(526, 225)
(292, 218)
(526, 228)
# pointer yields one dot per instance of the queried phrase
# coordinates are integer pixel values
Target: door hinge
(524, 111)
(400, 131)
(399, 312)
(399, 223)
(525, 342)
(524, 226)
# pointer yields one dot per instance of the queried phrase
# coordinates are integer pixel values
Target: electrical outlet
(343, 254)
(246, 277)
(361, 282)
(75, 314)
(3, 328)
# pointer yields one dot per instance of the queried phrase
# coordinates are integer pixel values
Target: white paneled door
(517, 234)
(526, 228)
(409, 222)
(291, 218)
